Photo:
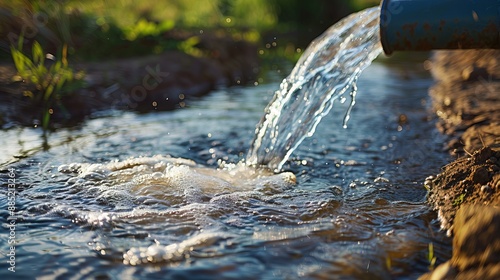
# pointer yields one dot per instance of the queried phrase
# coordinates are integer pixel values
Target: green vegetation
(51, 82)
(431, 258)
(459, 200)
(188, 14)
(97, 30)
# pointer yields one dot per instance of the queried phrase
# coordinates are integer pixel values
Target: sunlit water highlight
(326, 72)
(106, 201)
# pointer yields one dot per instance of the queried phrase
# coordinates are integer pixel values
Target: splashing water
(91, 204)
(328, 69)
(151, 189)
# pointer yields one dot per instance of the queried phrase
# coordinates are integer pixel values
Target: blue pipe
(439, 24)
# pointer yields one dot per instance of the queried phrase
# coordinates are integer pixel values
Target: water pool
(357, 210)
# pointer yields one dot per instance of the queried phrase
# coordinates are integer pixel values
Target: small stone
(485, 189)
(428, 184)
(430, 178)
(403, 119)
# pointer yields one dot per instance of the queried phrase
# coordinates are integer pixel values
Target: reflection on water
(163, 195)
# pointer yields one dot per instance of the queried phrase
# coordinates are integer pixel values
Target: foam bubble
(166, 178)
(179, 194)
(171, 253)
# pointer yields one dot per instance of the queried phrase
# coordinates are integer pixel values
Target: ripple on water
(177, 215)
(191, 202)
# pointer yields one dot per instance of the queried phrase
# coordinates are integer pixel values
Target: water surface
(111, 200)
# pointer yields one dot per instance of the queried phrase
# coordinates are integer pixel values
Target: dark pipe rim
(383, 23)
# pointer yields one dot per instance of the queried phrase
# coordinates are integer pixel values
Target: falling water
(100, 204)
(326, 72)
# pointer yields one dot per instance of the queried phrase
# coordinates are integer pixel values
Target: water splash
(328, 69)
(177, 193)
(173, 181)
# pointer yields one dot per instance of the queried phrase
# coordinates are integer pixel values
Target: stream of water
(169, 195)
(326, 72)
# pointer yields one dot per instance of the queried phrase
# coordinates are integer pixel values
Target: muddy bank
(466, 194)
(159, 82)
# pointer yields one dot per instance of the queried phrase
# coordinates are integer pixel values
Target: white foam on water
(166, 177)
(195, 197)
(173, 252)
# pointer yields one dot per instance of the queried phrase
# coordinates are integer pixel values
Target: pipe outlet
(421, 25)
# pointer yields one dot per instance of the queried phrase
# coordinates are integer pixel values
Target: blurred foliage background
(45, 39)
(97, 29)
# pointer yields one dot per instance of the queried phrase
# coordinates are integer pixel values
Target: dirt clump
(468, 180)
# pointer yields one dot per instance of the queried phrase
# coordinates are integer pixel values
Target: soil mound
(466, 194)
(468, 180)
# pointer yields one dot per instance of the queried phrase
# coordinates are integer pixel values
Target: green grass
(459, 200)
(184, 13)
(96, 29)
(431, 258)
(52, 82)
(123, 28)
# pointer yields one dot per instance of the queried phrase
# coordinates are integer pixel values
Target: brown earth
(469, 180)
(466, 194)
